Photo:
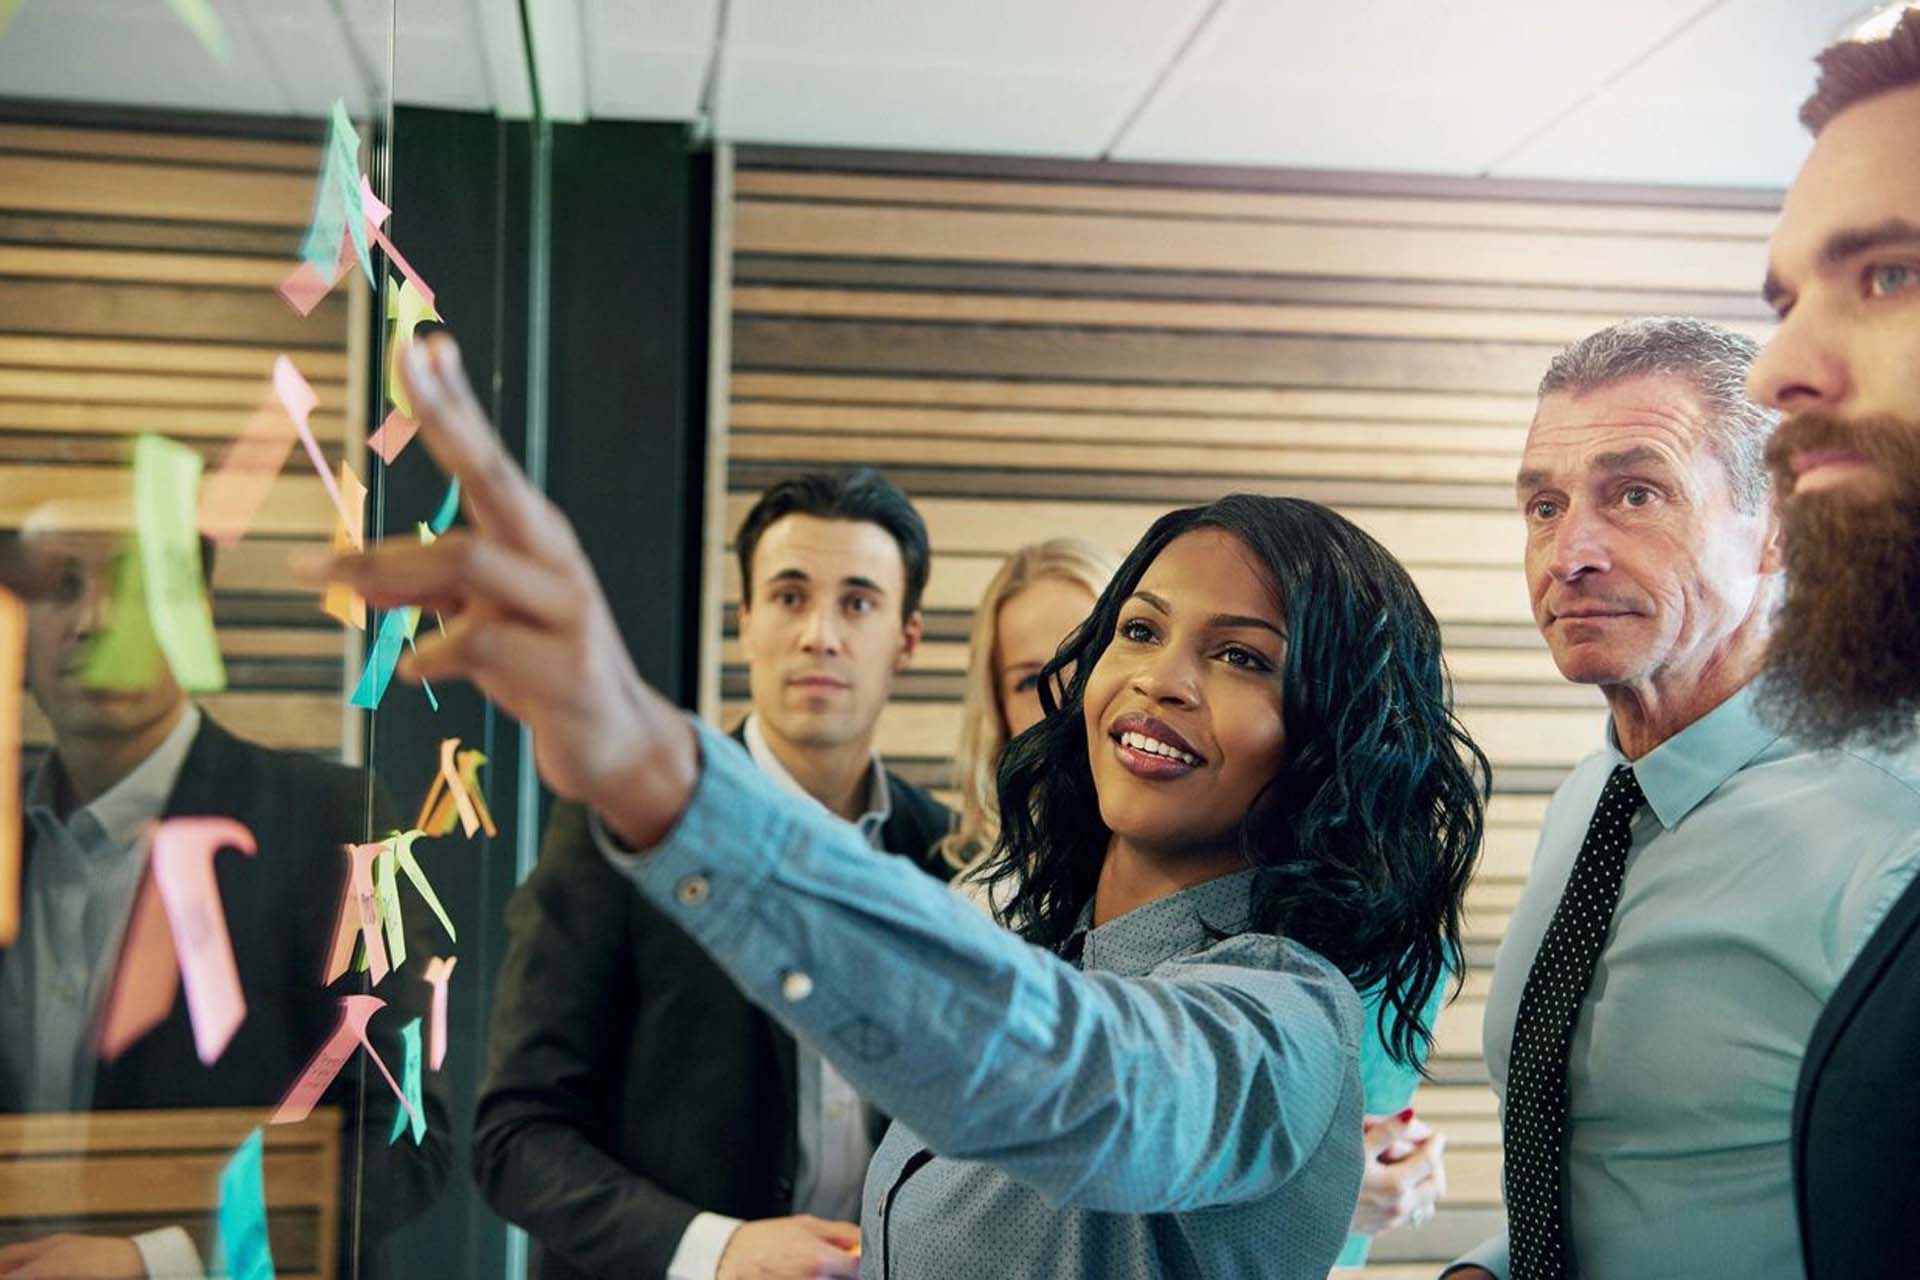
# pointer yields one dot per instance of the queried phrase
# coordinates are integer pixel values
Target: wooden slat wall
(137, 274)
(1035, 349)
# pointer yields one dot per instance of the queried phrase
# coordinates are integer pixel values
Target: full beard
(1843, 666)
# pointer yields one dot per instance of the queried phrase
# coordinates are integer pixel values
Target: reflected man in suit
(640, 1118)
(121, 759)
(1843, 274)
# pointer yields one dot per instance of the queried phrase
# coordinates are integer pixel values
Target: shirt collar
(879, 808)
(129, 804)
(1690, 766)
(1138, 942)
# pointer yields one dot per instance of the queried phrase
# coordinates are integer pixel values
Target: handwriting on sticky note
(233, 495)
(182, 860)
(410, 1086)
(359, 912)
(244, 1247)
(386, 889)
(439, 974)
(13, 658)
(341, 601)
(387, 644)
(319, 1073)
(146, 976)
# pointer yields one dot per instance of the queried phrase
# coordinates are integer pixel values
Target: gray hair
(1712, 358)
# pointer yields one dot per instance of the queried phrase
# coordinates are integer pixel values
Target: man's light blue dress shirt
(1758, 870)
(1178, 1105)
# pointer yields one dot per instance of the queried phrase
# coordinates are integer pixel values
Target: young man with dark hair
(640, 1118)
(1844, 276)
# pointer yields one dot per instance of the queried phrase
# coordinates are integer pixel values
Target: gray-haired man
(1701, 883)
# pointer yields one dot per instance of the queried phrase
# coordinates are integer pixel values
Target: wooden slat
(1262, 206)
(151, 388)
(1489, 254)
(150, 146)
(121, 189)
(134, 266)
(122, 356)
(94, 309)
(53, 417)
(1364, 322)
(296, 506)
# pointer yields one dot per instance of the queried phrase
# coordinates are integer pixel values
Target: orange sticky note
(146, 976)
(359, 916)
(469, 819)
(350, 1035)
(341, 601)
(232, 496)
(182, 859)
(439, 972)
(13, 656)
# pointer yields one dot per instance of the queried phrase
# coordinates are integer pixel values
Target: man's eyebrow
(859, 583)
(789, 575)
(1849, 242)
(1529, 479)
(1627, 459)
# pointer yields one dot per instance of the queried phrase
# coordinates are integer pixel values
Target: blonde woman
(1034, 603)
(1036, 599)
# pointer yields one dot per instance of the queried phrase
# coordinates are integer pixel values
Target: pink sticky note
(397, 259)
(232, 496)
(370, 205)
(320, 1071)
(304, 287)
(439, 970)
(450, 770)
(146, 977)
(359, 916)
(299, 399)
(182, 860)
(394, 435)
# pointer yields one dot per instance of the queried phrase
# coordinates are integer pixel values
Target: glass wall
(250, 884)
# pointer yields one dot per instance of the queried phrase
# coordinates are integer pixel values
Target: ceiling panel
(1717, 106)
(1394, 85)
(647, 59)
(1007, 76)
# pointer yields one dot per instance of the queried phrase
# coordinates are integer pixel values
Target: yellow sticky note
(408, 308)
(161, 592)
(13, 655)
(205, 25)
(341, 601)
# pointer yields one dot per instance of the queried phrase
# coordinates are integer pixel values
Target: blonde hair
(983, 732)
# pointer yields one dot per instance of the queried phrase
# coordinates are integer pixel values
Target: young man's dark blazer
(280, 906)
(1856, 1114)
(629, 1085)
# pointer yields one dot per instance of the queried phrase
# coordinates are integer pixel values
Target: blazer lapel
(1860, 979)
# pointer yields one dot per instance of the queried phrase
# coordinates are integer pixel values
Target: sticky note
(7, 9)
(450, 770)
(306, 286)
(449, 508)
(298, 397)
(345, 154)
(341, 601)
(401, 843)
(394, 435)
(372, 208)
(470, 762)
(233, 495)
(182, 862)
(160, 597)
(146, 976)
(410, 1087)
(244, 1247)
(359, 916)
(386, 890)
(351, 1035)
(387, 644)
(439, 973)
(205, 25)
(13, 657)
(408, 309)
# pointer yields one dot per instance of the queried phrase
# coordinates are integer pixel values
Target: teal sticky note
(244, 1247)
(449, 508)
(410, 1083)
(387, 644)
(346, 181)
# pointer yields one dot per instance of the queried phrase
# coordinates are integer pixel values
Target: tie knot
(1623, 789)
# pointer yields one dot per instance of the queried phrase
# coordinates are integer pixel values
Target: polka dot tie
(1536, 1102)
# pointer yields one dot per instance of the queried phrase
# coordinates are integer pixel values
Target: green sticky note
(125, 655)
(401, 842)
(410, 1085)
(166, 564)
(386, 892)
(205, 25)
(244, 1246)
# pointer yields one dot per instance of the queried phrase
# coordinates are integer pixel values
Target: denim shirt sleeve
(1201, 1084)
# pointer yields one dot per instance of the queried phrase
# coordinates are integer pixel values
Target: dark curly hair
(1366, 838)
